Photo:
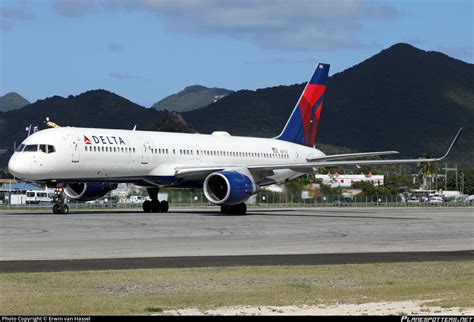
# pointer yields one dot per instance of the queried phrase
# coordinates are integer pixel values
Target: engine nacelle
(87, 191)
(228, 188)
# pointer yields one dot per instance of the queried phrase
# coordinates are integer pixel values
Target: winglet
(451, 146)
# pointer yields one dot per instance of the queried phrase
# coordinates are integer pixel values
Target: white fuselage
(82, 154)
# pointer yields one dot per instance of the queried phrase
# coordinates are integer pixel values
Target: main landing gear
(154, 205)
(239, 209)
(59, 206)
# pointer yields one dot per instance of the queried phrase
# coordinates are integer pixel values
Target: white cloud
(297, 24)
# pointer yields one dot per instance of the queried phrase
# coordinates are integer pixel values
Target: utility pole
(446, 169)
(457, 187)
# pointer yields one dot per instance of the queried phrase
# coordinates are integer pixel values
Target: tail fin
(303, 122)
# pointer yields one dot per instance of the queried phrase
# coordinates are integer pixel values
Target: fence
(196, 199)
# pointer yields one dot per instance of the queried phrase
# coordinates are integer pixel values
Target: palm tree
(427, 170)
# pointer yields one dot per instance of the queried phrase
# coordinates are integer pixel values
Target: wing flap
(349, 155)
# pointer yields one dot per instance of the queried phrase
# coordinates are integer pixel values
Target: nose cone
(18, 167)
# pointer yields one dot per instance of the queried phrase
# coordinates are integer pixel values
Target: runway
(26, 236)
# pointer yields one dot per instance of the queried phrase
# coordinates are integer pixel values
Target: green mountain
(12, 101)
(96, 108)
(191, 98)
(402, 98)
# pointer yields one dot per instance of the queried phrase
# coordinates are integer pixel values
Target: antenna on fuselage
(134, 128)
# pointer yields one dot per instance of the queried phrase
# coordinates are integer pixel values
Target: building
(14, 193)
(346, 180)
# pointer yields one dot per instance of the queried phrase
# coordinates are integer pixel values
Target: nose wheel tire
(62, 209)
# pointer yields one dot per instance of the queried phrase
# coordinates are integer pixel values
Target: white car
(38, 197)
(436, 200)
(470, 199)
(413, 200)
(137, 199)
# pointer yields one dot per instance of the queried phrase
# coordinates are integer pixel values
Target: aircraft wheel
(225, 210)
(155, 206)
(56, 209)
(164, 206)
(147, 206)
(64, 209)
(241, 209)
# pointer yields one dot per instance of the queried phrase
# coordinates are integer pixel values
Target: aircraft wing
(349, 155)
(324, 161)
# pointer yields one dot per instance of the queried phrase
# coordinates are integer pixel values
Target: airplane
(86, 163)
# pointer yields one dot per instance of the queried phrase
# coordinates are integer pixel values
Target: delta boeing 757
(86, 163)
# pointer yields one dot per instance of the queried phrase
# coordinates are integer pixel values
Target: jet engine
(86, 191)
(228, 188)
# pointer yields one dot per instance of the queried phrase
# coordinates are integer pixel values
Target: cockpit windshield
(45, 148)
(31, 148)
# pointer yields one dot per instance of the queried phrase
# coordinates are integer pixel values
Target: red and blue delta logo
(104, 139)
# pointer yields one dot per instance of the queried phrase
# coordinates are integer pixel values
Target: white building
(346, 180)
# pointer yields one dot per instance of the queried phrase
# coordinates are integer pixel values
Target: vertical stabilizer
(303, 122)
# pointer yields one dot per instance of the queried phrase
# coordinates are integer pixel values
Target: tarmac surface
(123, 239)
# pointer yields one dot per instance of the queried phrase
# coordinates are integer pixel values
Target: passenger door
(76, 148)
(146, 150)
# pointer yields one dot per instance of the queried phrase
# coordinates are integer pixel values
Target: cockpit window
(31, 148)
(47, 148)
(20, 148)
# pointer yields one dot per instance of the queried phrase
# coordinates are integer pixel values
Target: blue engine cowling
(87, 191)
(228, 188)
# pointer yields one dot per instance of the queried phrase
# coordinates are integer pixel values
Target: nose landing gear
(59, 206)
(154, 205)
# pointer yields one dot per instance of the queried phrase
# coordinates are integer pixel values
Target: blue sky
(147, 49)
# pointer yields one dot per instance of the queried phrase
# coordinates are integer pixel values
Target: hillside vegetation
(403, 98)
